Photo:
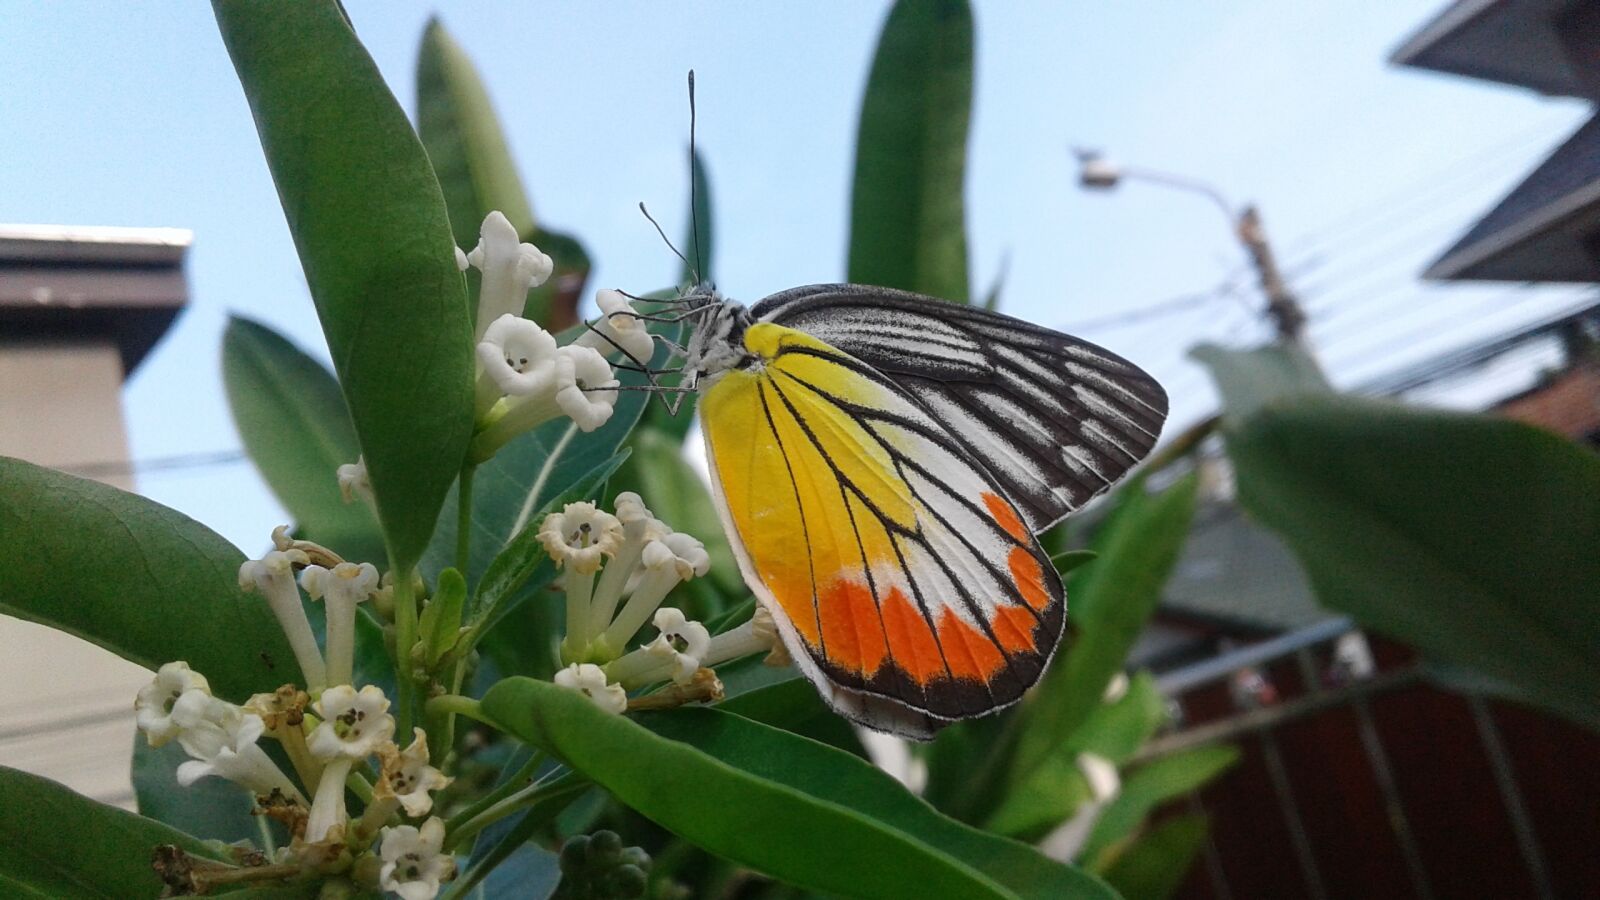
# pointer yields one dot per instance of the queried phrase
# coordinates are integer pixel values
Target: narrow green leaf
(1147, 788)
(292, 419)
(1250, 379)
(1109, 603)
(1153, 868)
(698, 246)
(58, 844)
(440, 623)
(1468, 537)
(374, 238)
(1067, 560)
(462, 134)
(141, 580)
(1052, 792)
(801, 811)
(907, 218)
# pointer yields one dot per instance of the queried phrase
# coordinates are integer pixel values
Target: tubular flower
(221, 738)
(342, 588)
(758, 635)
(619, 332)
(354, 725)
(583, 388)
(668, 561)
(518, 357)
(510, 269)
(639, 528)
(154, 705)
(408, 777)
(414, 863)
(354, 483)
(273, 576)
(676, 653)
(590, 681)
(578, 539)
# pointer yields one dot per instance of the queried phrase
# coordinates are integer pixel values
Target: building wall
(66, 711)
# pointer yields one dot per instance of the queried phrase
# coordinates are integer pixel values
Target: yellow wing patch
(904, 581)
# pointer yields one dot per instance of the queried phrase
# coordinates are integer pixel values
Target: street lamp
(1096, 172)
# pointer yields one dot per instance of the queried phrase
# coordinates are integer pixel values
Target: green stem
(513, 803)
(359, 786)
(522, 779)
(447, 736)
(405, 630)
(464, 518)
(455, 703)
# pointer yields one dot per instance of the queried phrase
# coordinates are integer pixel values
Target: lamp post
(1096, 172)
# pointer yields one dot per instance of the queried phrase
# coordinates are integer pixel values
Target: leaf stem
(515, 802)
(455, 703)
(521, 779)
(464, 518)
(405, 627)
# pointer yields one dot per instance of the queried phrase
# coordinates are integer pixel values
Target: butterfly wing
(1056, 420)
(906, 585)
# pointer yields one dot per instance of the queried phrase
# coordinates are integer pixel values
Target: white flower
(510, 269)
(407, 775)
(518, 356)
(1101, 773)
(353, 481)
(758, 635)
(414, 864)
(590, 681)
(620, 331)
(580, 536)
(462, 262)
(585, 387)
(221, 738)
(154, 705)
(1116, 688)
(273, 576)
(639, 528)
(342, 588)
(669, 560)
(688, 641)
(354, 723)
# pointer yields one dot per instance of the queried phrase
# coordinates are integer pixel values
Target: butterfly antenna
(694, 190)
(664, 238)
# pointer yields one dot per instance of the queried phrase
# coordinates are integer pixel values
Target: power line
(116, 467)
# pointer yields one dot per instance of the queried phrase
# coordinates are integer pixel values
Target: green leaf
(291, 417)
(907, 219)
(1251, 379)
(794, 706)
(1468, 537)
(698, 250)
(440, 623)
(211, 807)
(1067, 560)
(801, 811)
(1053, 791)
(58, 844)
(1153, 868)
(1147, 788)
(141, 580)
(374, 238)
(1109, 603)
(459, 128)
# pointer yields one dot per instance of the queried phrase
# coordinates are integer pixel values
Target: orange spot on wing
(1028, 578)
(910, 638)
(968, 652)
(794, 596)
(1013, 625)
(851, 630)
(1005, 516)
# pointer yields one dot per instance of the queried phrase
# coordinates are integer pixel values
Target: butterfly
(882, 463)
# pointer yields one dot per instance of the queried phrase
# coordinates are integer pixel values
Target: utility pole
(1283, 308)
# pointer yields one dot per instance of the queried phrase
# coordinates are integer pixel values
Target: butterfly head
(717, 343)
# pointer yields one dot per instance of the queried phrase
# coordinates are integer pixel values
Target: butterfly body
(879, 511)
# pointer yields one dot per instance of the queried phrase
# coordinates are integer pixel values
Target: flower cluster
(632, 560)
(332, 733)
(524, 378)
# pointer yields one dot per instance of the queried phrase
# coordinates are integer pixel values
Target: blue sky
(129, 114)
